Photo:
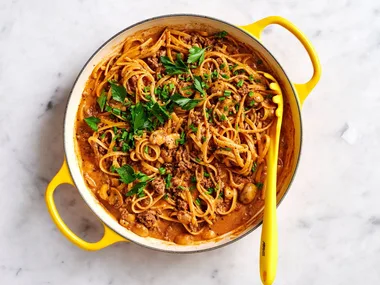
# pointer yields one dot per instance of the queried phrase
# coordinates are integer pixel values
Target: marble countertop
(329, 223)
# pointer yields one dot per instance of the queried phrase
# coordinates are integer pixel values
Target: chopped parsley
(146, 149)
(225, 76)
(168, 181)
(182, 139)
(198, 201)
(223, 117)
(206, 174)
(240, 83)
(227, 93)
(259, 61)
(127, 174)
(221, 98)
(176, 67)
(102, 101)
(259, 185)
(193, 128)
(181, 187)
(250, 94)
(210, 190)
(221, 34)
(184, 102)
(196, 54)
(254, 167)
(92, 122)
(199, 85)
(193, 179)
(118, 92)
(162, 170)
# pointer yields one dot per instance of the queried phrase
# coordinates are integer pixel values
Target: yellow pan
(294, 96)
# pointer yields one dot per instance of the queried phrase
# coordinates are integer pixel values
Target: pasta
(173, 131)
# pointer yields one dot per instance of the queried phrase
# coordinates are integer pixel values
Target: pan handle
(63, 176)
(256, 29)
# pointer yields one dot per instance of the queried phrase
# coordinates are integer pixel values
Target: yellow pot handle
(63, 176)
(256, 29)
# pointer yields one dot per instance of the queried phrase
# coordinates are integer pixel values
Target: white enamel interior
(192, 21)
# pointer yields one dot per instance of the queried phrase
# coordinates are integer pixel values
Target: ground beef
(176, 181)
(182, 166)
(181, 204)
(153, 62)
(148, 218)
(196, 117)
(158, 185)
(168, 154)
(123, 213)
(244, 90)
(207, 183)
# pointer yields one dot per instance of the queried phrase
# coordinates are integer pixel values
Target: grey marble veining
(329, 223)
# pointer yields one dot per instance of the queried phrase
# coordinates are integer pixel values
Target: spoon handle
(269, 234)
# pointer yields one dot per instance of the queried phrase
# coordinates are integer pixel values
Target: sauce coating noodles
(173, 133)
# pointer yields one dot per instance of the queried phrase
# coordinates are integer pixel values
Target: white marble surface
(329, 224)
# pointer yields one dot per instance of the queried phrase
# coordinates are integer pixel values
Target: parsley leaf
(118, 92)
(178, 67)
(221, 34)
(184, 102)
(127, 174)
(198, 201)
(196, 54)
(259, 185)
(102, 101)
(160, 113)
(199, 85)
(93, 123)
(139, 117)
(136, 189)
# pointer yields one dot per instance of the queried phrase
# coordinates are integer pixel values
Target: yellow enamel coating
(304, 89)
(63, 176)
(269, 235)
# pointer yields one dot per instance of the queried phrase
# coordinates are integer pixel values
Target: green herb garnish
(92, 122)
(206, 174)
(254, 167)
(198, 201)
(259, 185)
(184, 102)
(178, 67)
(199, 85)
(196, 54)
(240, 83)
(102, 101)
(182, 140)
(118, 92)
(221, 34)
(162, 170)
(210, 190)
(168, 181)
(227, 93)
(193, 128)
